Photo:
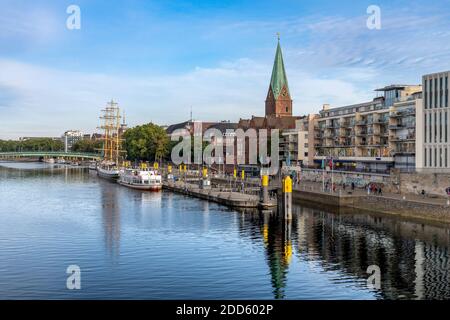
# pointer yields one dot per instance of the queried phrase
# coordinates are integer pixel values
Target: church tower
(278, 101)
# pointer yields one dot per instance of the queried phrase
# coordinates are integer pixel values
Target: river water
(139, 245)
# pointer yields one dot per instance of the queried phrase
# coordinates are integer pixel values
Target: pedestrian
(343, 186)
(368, 189)
(353, 186)
(380, 192)
(423, 193)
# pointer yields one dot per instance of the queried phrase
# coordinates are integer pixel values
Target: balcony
(396, 126)
(361, 123)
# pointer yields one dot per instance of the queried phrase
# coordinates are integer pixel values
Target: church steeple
(278, 101)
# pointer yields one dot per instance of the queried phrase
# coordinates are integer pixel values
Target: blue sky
(159, 58)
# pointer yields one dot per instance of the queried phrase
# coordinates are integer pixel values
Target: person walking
(353, 186)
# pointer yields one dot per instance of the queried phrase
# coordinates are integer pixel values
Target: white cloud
(49, 101)
(332, 59)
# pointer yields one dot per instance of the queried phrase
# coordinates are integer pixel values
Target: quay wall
(391, 206)
(434, 183)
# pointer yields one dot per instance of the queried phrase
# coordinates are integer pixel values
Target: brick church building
(278, 114)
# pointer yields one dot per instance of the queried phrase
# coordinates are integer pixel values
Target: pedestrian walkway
(318, 187)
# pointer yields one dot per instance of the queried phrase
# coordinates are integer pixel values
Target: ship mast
(112, 140)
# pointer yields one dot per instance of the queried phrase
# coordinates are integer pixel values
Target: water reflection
(165, 245)
(413, 258)
(110, 218)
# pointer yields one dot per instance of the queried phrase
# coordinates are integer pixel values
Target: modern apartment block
(372, 136)
(70, 137)
(433, 142)
(297, 145)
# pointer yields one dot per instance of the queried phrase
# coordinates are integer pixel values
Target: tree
(32, 144)
(88, 146)
(147, 142)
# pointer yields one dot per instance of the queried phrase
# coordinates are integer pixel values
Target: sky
(159, 59)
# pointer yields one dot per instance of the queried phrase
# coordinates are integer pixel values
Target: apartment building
(70, 137)
(373, 136)
(433, 142)
(297, 145)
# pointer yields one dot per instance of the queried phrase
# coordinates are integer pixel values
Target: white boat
(60, 161)
(108, 171)
(141, 179)
(92, 165)
(49, 160)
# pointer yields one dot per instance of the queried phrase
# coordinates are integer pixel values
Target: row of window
(436, 93)
(436, 157)
(436, 127)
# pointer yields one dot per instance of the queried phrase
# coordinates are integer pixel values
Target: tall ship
(112, 151)
(141, 178)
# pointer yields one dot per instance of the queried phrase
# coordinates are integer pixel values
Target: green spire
(279, 79)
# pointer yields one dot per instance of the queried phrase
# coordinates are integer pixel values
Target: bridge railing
(51, 154)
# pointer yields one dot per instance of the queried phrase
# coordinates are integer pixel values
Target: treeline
(35, 144)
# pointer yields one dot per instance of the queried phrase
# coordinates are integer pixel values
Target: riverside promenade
(409, 205)
(220, 195)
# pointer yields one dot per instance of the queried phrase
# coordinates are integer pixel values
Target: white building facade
(434, 142)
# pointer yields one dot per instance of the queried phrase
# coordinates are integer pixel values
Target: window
(435, 157)
(435, 127)
(425, 129)
(426, 95)
(446, 91)
(435, 92)
(445, 126)
(425, 157)
(446, 158)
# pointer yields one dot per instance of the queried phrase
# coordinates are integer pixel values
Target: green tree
(88, 146)
(32, 144)
(147, 142)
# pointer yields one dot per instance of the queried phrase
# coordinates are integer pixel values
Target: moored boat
(140, 179)
(112, 142)
(108, 171)
(92, 165)
(49, 160)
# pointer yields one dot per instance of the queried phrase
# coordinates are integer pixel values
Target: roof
(182, 125)
(278, 79)
(224, 126)
(189, 125)
(397, 86)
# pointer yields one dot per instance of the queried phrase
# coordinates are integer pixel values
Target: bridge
(50, 154)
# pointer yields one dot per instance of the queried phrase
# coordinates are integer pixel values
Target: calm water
(132, 244)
